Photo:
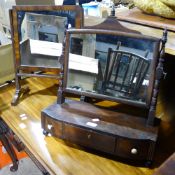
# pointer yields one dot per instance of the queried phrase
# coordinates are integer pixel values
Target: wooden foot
(45, 132)
(10, 151)
(17, 95)
(7, 145)
(46, 173)
(148, 163)
(14, 168)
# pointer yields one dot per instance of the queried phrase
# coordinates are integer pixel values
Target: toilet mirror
(110, 65)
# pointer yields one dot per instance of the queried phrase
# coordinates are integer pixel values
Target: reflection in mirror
(114, 65)
(41, 35)
(38, 33)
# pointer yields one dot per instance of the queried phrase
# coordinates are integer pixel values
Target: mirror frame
(154, 62)
(16, 38)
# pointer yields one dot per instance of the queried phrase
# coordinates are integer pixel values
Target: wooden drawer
(132, 148)
(52, 126)
(89, 138)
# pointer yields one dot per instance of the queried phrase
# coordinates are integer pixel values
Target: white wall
(5, 5)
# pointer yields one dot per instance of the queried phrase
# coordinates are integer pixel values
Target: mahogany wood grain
(115, 133)
(89, 138)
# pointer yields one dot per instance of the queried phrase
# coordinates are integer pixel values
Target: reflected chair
(125, 73)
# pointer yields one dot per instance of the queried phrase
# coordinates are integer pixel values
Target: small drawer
(89, 138)
(53, 126)
(132, 148)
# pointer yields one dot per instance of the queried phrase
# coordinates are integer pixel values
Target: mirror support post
(60, 95)
(61, 98)
(159, 74)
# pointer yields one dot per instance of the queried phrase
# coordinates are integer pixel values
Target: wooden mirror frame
(105, 97)
(154, 78)
(29, 71)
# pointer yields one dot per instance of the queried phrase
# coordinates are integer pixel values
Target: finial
(164, 37)
(113, 10)
(77, 2)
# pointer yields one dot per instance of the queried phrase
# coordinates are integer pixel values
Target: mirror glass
(117, 66)
(41, 34)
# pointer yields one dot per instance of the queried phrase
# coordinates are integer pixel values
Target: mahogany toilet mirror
(38, 33)
(114, 66)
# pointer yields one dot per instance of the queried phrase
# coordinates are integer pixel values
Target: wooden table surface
(146, 24)
(137, 16)
(57, 156)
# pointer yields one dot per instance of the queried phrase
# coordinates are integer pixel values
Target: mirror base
(112, 132)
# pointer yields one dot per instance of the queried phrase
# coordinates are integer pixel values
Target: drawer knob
(134, 151)
(49, 127)
(89, 136)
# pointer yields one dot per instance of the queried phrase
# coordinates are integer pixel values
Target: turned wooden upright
(7, 145)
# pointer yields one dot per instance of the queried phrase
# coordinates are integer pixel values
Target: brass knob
(134, 151)
(89, 136)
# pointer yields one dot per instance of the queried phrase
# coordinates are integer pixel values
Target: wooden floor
(62, 158)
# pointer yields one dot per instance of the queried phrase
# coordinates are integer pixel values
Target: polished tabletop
(57, 156)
